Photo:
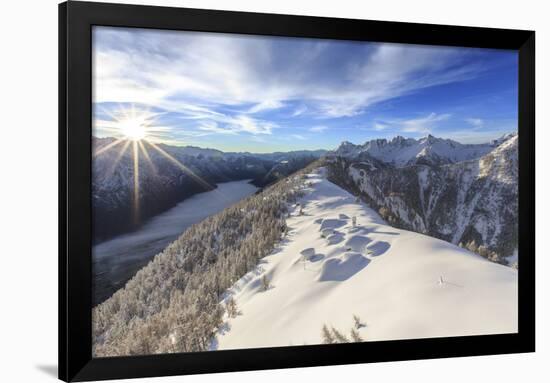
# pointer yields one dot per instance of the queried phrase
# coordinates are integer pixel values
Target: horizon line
(318, 149)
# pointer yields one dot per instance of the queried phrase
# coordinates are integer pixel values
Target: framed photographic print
(249, 191)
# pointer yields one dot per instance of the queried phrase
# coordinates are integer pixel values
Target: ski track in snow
(326, 270)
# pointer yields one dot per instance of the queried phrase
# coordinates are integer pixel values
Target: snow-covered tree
(327, 336)
(355, 337)
(231, 307)
(357, 322)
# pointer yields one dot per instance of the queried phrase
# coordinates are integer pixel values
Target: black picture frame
(75, 292)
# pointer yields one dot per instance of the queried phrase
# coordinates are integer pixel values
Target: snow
(513, 259)
(399, 283)
(400, 151)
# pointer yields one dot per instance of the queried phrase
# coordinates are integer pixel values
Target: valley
(117, 260)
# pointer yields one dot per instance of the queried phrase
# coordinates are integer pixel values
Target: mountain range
(464, 194)
(429, 150)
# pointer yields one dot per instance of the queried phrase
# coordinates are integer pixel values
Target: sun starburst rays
(147, 157)
(184, 168)
(136, 181)
(107, 147)
(109, 173)
(130, 126)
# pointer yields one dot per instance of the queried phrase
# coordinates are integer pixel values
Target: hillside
(398, 283)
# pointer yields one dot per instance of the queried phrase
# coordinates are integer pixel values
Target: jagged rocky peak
(402, 141)
(347, 144)
(431, 150)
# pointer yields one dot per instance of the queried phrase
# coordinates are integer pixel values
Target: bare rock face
(472, 203)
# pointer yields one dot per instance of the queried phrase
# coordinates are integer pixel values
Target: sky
(263, 94)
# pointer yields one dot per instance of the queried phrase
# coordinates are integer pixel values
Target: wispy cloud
(475, 122)
(236, 125)
(299, 111)
(379, 126)
(212, 126)
(417, 125)
(266, 105)
(422, 124)
(153, 67)
(318, 129)
(298, 136)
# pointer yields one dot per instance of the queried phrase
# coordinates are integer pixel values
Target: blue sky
(264, 94)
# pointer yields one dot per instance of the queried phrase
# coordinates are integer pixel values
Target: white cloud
(236, 125)
(475, 122)
(250, 125)
(378, 126)
(297, 136)
(266, 105)
(212, 126)
(419, 125)
(318, 129)
(422, 124)
(299, 111)
(195, 74)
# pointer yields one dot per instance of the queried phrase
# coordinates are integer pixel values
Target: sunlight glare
(133, 129)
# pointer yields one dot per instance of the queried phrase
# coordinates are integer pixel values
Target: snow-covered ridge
(399, 283)
(401, 151)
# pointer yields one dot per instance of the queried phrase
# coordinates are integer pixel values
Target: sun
(133, 129)
(137, 129)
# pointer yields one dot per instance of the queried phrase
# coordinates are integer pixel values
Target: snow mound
(325, 233)
(336, 269)
(357, 243)
(310, 251)
(378, 248)
(332, 223)
(335, 238)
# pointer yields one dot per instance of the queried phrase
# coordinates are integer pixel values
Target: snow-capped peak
(402, 151)
(504, 138)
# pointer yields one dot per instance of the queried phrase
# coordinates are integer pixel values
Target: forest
(176, 302)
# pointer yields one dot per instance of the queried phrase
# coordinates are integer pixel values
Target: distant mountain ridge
(402, 151)
(472, 202)
(163, 183)
(274, 156)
